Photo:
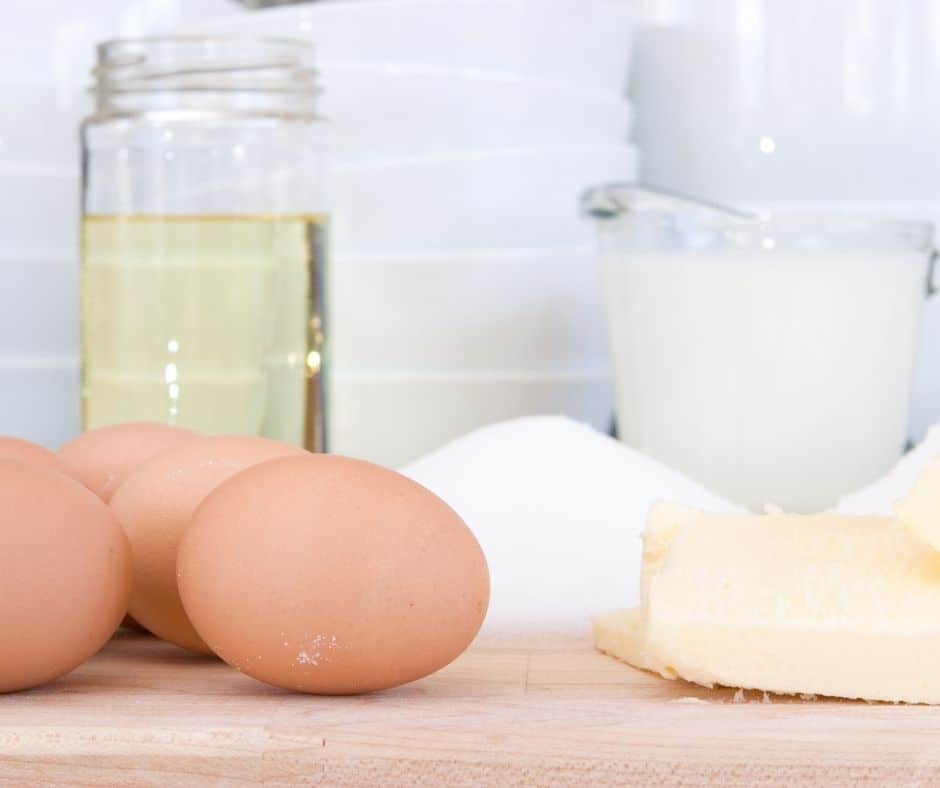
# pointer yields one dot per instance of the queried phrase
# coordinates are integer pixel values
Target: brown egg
(155, 505)
(32, 454)
(101, 459)
(332, 576)
(65, 575)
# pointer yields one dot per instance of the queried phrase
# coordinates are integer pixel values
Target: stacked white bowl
(41, 104)
(463, 287)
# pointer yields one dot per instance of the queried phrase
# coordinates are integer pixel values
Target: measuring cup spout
(612, 200)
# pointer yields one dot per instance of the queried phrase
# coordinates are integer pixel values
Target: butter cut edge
(663, 522)
(620, 635)
(919, 510)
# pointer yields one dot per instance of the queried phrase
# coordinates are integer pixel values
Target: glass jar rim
(203, 38)
(188, 61)
(221, 68)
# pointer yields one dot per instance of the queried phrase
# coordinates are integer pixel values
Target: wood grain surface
(550, 713)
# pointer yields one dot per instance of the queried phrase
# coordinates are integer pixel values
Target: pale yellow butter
(823, 604)
(619, 634)
(662, 523)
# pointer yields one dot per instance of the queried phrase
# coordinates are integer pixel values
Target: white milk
(778, 376)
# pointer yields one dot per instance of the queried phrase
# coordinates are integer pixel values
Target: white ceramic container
(789, 99)
(585, 42)
(40, 399)
(385, 110)
(394, 419)
(39, 314)
(516, 197)
(538, 310)
(39, 211)
(39, 127)
(53, 41)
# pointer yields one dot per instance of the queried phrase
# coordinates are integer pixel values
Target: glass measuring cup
(770, 358)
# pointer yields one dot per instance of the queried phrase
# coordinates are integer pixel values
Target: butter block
(662, 523)
(821, 604)
(619, 634)
(919, 510)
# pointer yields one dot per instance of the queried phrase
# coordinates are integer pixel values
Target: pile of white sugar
(880, 497)
(559, 509)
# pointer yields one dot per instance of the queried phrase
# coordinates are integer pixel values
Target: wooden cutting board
(146, 713)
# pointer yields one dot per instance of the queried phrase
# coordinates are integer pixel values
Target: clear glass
(768, 358)
(204, 239)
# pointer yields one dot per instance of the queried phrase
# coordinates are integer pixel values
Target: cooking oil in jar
(210, 322)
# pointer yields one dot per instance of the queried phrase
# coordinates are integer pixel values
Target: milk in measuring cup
(770, 375)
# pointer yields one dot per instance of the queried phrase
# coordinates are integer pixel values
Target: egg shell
(65, 575)
(330, 575)
(102, 459)
(32, 454)
(155, 505)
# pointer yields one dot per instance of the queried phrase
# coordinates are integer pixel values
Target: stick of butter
(919, 510)
(621, 633)
(662, 523)
(821, 604)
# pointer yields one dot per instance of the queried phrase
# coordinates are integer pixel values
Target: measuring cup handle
(933, 274)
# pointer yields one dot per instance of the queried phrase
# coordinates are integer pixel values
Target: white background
(46, 49)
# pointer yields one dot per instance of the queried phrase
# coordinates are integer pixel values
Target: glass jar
(768, 357)
(204, 238)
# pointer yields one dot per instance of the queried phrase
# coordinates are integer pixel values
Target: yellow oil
(210, 322)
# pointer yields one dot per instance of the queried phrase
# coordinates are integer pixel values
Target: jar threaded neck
(211, 73)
